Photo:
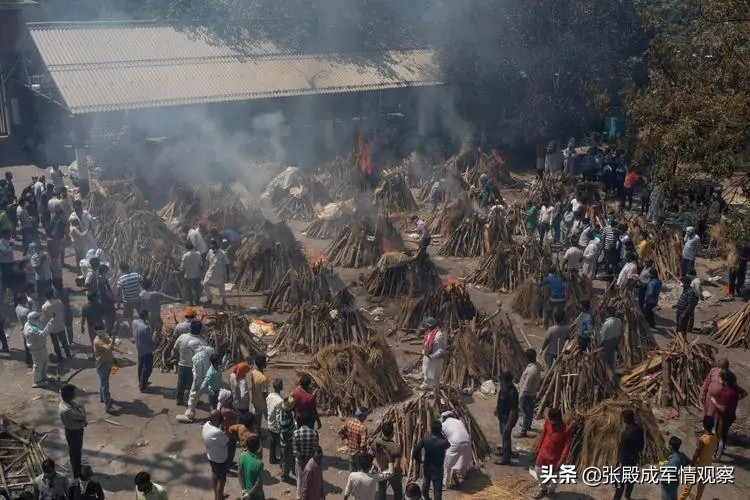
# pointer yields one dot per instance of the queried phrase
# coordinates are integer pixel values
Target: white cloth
(455, 431)
(216, 443)
(573, 258)
(628, 270)
(196, 239)
(273, 406)
(458, 456)
(85, 220)
(191, 264)
(432, 364)
(216, 274)
(240, 392)
(545, 214)
(611, 329)
(187, 345)
(361, 486)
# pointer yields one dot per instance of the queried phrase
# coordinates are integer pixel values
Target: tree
(693, 118)
(546, 68)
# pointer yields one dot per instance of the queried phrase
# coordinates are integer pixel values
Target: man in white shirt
(185, 348)
(56, 176)
(591, 257)
(217, 273)
(573, 258)
(273, 408)
(195, 236)
(545, 220)
(361, 485)
(217, 450)
(609, 338)
(458, 457)
(192, 269)
(528, 386)
(628, 271)
(692, 244)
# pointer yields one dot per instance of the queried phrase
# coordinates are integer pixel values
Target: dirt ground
(146, 436)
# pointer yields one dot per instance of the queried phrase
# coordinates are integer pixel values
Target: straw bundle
(674, 375)
(596, 434)
(734, 330)
(314, 326)
(412, 421)
(349, 376)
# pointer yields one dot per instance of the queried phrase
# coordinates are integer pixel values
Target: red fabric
(53, 249)
(631, 178)
(241, 369)
(429, 339)
(304, 402)
(553, 445)
(730, 396)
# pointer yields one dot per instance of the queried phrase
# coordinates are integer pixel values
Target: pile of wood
(637, 342)
(482, 349)
(21, 457)
(393, 196)
(530, 299)
(505, 267)
(452, 186)
(298, 288)
(596, 434)
(314, 326)
(110, 200)
(449, 216)
(266, 255)
(734, 330)
(449, 304)
(144, 241)
(350, 376)
(230, 212)
(667, 244)
(331, 219)
(486, 164)
(549, 190)
(470, 239)
(184, 206)
(297, 205)
(362, 243)
(399, 274)
(412, 421)
(228, 333)
(577, 380)
(674, 375)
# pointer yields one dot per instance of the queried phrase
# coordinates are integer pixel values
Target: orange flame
(314, 256)
(363, 155)
(451, 282)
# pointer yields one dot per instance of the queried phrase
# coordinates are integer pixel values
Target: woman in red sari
(726, 408)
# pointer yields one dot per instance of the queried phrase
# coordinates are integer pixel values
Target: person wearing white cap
(433, 350)
(692, 244)
(36, 341)
(458, 458)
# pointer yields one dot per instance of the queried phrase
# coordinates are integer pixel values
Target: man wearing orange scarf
(433, 351)
(238, 385)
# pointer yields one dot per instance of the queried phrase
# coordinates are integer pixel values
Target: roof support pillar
(79, 144)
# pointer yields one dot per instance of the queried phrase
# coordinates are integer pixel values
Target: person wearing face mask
(50, 484)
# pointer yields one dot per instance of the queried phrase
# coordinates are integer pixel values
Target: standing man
(685, 308)
(195, 237)
(643, 278)
(104, 360)
(532, 217)
(458, 457)
(258, 385)
(422, 231)
(609, 339)
(151, 301)
(676, 461)
(128, 291)
(185, 348)
(506, 412)
(92, 317)
(40, 261)
(144, 345)
(651, 299)
(191, 266)
(388, 456)
(217, 451)
(305, 400)
(555, 339)
(56, 176)
(629, 271)
(355, 433)
(484, 201)
(433, 350)
(273, 406)
(361, 483)
(703, 456)
(631, 447)
(591, 257)
(53, 312)
(712, 386)
(250, 471)
(106, 297)
(287, 427)
(585, 326)
(528, 386)
(201, 363)
(610, 238)
(545, 220)
(36, 340)
(26, 225)
(435, 196)
(217, 273)
(312, 477)
(556, 294)
(305, 441)
(690, 248)
(435, 446)
(6, 259)
(573, 258)
(554, 445)
(73, 417)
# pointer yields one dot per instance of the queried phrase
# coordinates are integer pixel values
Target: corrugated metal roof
(114, 67)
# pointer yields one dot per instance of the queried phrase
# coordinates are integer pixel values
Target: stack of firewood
(300, 287)
(449, 216)
(734, 330)
(505, 267)
(674, 375)
(400, 274)
(449, 304)
(393, 195)
(470, 239)
(363, 242)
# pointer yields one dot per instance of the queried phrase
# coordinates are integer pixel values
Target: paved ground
(145, 436)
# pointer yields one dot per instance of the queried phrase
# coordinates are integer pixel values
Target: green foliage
(693, 117)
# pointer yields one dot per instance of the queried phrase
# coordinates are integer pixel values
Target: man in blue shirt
(651, 298)
(556, 294)
(486, 191)
(585, 326)
(144, 345)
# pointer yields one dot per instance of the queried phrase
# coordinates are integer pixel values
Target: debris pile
(674, 375)
(113, 199)
(298, 288)
(393, 196)
(21, 457)
(412, 421)
(398, 274)
(362, 243)
(265, 256)
(315, 326)
(596, 434)
(577, 380)
(734, 330)
(505, 267)
(349, 376)
(449, 304)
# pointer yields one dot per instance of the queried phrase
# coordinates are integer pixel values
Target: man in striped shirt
(128, 291)
(609, 240)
